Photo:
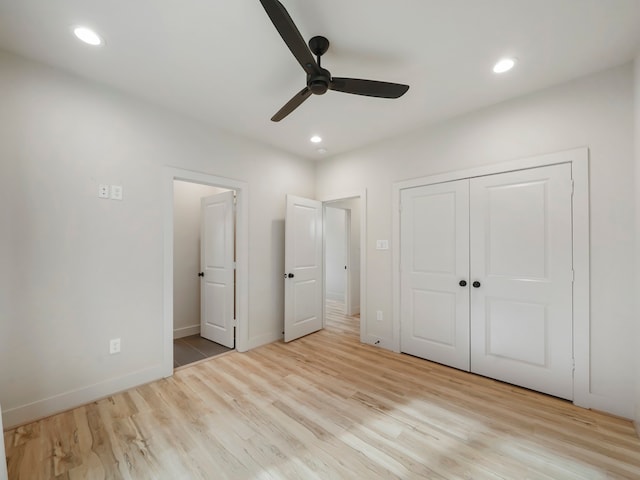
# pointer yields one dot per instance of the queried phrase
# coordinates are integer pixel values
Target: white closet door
(521, 255)
(434, 260)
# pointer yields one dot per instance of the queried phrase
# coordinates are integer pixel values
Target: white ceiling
(224, 63)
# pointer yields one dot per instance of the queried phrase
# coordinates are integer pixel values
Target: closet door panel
(521, 311)
(434, 260)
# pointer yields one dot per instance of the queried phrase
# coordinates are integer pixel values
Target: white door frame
(347, 261)
(327, 200)
(579, 160)
(242, 256)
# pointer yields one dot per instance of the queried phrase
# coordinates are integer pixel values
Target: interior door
(217, 254)
(435, 273)
(303, 268)
(521, 259)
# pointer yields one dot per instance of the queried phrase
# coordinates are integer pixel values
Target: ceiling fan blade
(370, 88)
(290, 34)
(292, 104)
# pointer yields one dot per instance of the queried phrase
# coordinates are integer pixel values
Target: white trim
(362, 195)
(242, 256)
(265, 339)
(579, 159)
(64, 401)
(3, 463)
(186, 331)
(347, 273)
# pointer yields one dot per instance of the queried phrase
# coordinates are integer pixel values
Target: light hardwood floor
(325, 407)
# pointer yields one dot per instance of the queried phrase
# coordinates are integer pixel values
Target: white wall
(186, 255)
(77, 270)
(335, 254)
(636, 87)
(596, 112)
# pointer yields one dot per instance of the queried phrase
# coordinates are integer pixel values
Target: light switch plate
(116, 192)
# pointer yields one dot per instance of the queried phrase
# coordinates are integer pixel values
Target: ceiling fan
(319, 80)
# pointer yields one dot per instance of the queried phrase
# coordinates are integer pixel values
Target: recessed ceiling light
(316, 139)
(87, 36)
(321, 151)
(504, 65)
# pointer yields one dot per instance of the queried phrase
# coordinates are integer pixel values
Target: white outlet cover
(116, 192)
(103, 191)
(114, 346)
(382, 244)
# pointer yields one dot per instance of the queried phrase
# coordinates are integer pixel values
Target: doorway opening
(306, 309)
(342, 263)
(196, 232)
(205, 267)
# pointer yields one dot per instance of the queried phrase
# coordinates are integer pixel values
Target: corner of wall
(636, 134)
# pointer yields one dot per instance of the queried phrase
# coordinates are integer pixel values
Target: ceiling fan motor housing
(319, 83)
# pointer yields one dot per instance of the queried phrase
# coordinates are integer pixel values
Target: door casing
(242, 257)
(362, 195)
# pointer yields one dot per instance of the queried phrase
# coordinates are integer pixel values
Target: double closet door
(487, 276)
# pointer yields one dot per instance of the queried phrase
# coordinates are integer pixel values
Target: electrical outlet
(114, 346)
(382, 244)
(379, 315)
(103, 191)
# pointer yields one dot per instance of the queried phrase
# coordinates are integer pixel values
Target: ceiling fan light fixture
(316, 139)
(88, 36)
(504, 65)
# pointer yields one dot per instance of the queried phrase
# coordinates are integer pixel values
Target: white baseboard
(186, 331)
(337, 296)
(602, 403)
(378, 342)
(59, 403)
(3, 462)
(263, 340)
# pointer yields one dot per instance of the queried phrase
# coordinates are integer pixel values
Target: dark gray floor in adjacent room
(194, 348)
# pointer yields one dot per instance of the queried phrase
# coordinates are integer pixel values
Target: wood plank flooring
(325, 407)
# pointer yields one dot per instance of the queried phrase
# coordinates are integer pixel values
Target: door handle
(201, 274)
(476, 284)
(463, 283)
(289, 275)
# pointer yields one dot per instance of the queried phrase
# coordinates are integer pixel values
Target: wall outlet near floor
(114, 346)
(379, 315)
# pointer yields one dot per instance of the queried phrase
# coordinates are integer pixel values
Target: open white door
(303, 267)
(217, 262)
